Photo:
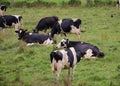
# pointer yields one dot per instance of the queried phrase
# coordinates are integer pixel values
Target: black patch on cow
(2, 22)
(77, 23)
(56, 29)
(66, 25)
(70, 57)
(46, 23)
(56, 55)
(79, 55)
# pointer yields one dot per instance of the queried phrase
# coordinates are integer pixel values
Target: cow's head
(3, 7)
(21, 33)
(63, 43)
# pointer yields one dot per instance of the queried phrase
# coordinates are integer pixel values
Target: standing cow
(32, 38)
(9, 21)
(45, 23)
(64, 59)
(67, 26)
(2, 9)
(87, 50)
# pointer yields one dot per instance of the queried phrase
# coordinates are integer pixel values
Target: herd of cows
(60, 59)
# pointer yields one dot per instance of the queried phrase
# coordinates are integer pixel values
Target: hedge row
(70, 2)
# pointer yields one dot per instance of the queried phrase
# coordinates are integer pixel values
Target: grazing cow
(9, 21)
(2, 9)
(118, 3)
(64, 59)
(67, 26)
(45, 23)
(32, 38)
(87, 50)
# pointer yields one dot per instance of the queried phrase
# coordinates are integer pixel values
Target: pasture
(22, 65)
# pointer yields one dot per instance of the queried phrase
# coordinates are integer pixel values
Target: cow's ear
(17, 31)
(67, 40)
(25, 30)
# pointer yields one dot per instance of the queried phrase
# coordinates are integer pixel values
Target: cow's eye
(62, 44)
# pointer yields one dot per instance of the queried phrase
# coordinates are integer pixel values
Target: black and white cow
(64, 59)
(2, 9)
(32, 38)
(118, 3)
(67, 26)
(87, 50)
(45, 23)
(9, 21)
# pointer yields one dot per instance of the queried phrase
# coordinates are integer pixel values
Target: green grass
(30, 66)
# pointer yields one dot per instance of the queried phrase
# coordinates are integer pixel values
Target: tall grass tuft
(21, 47)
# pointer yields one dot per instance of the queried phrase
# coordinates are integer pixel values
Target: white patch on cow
(30, 44)
(74, 29)
(17, 16)
(74, 19)
(30, 33)
(60, 22)
(74, 55)
(88, 53)
(48, 42)
(1, 12)
(15, 25)
(20, 31)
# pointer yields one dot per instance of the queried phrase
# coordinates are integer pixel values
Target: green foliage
(48, 3)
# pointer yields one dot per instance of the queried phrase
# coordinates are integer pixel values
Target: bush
(5, 2)
(100, 2)
(74, 2)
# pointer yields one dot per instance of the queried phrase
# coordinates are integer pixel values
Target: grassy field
(30, 66)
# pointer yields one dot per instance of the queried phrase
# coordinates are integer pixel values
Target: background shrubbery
(20, 3)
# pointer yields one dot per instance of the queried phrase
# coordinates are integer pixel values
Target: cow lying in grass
(67, 26)
(32, 38)
(64, 59)
(87, 50)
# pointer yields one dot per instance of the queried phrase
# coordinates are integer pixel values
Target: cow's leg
(78, 34)
(65, 34)
(16, 26)
(73, 69)
(3, 30)
(69, 74)
(45, 30)
(56, 68)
